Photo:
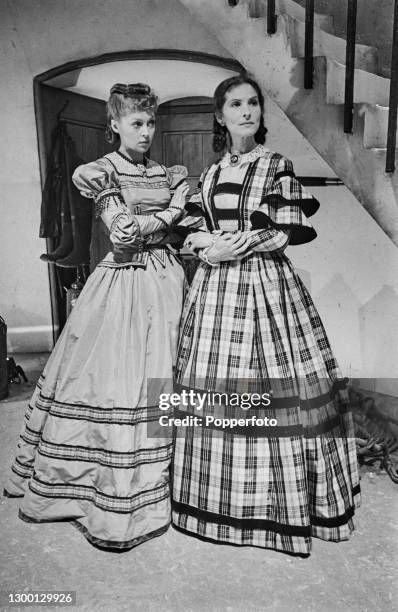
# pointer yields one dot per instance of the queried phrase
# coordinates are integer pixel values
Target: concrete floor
(178, 573)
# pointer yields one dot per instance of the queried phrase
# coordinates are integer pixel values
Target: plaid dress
(250, 326)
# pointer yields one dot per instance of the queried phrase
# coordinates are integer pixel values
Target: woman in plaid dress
(250, 326)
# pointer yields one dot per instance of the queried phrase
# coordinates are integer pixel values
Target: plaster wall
(350, 269)
(37, 35)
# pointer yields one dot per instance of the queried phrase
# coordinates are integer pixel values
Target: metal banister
(350, 65)
(309, 45)
(393, 102)
(271, 17)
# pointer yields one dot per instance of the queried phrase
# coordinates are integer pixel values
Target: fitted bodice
(145, 189)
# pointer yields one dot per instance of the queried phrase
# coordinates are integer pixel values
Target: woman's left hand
(229, 247)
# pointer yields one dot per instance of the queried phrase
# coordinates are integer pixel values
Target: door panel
(85, 120)
(184, 134)
(90, 144)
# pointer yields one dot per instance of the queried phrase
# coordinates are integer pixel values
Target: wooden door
(184, 135)
(84, 119)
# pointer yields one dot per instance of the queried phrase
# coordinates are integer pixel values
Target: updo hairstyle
(125, 98)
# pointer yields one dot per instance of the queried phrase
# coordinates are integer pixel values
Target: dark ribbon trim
(283, 174)
(240, 523)
(334, 521)
(143, 163)
(230, 188)
(109, 453)
(267, 525)
(356, 490)
(309, 206)
(192, 208)
(212, 205)
(180, 182)
(225, 214)
(129, 411)
(116, 546)
(299, 234)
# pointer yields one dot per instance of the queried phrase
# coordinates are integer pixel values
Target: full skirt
(88, 452)
(251, 326)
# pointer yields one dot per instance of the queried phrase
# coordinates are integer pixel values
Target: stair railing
(271, 17)
(309, 45)
(393, 102)
(350, 67)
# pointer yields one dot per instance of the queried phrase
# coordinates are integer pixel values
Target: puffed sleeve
(286, 206)
(99, 181)
(192, 219)
(176, 175)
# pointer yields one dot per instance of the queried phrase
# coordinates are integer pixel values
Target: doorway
(184, 130)
(184, 134)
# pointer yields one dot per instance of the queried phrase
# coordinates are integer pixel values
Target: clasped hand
(226, 247)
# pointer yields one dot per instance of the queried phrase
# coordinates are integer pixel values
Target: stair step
(258, 9)
(288, 7)
(368, 87)
(375, 127)
(327, 45)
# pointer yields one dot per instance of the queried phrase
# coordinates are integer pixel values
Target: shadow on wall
(339, 307)
(305, 277)
(379, 337)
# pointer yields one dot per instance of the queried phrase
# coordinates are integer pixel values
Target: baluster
(350, 65)
(271, 17)
(309, 45)
(393, 104)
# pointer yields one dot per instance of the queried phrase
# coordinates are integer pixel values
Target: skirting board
(32, 339)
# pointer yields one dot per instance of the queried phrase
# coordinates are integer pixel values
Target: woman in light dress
(90, 451)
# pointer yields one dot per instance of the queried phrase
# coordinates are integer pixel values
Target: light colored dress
(251, 326)
(90, 451)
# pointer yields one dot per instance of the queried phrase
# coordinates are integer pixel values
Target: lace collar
(125, 165)
(144, 162)
(243, 158)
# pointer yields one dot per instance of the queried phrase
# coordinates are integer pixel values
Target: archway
(74, 93)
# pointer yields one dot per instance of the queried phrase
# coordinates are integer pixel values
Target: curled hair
(124, 98)
(220, 132)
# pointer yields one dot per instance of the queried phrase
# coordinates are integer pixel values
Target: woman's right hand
(179, 198)
(229, 247)
(198, 240)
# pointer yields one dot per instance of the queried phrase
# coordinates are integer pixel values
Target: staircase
(277, 63)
